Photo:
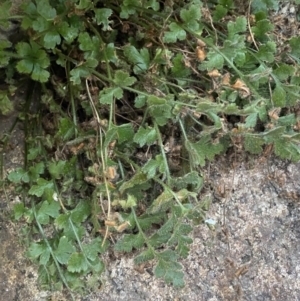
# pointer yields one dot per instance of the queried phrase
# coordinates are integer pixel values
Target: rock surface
(253, 253)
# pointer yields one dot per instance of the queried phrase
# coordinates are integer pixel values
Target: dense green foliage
(134, 97)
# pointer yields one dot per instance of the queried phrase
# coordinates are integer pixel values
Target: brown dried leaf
(214, 73)
(226, 79)
(200, 53)
(201, 43)
(239, 84)
(274, 113)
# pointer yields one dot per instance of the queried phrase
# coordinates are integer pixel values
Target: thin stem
(64, 280)
(160, 142)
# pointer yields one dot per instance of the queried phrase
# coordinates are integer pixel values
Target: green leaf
(137, 179)
(160, 109)
(34, 61)
(286, 149)
(129, 241)
(77, 263)
(176, 33)
(122, 133)
(162, 201)
(267, 51)
(181, 240)
(108, 54)
(46, 10)
(253, 143)
(129, 8)
(48, 210)
(152, 165)
(145, 136)
(233, 47)
(206, 105)
(279, 96)
(5, 14)
(140, 59)
(157, 241)
(190, 179)
(86, 43)
(191, 17)
(147, 220)
(168, 226)
(36, 170)
(168, 269)
(19, 210)
(251, 120)
(219, 12)
(213, 61)
(6, 105)
(70, 231)
(33, 153)
(39, 189)
(179, 69)
(67, 31)
(56, 169)
(273, 134)
(144, 256)
(18, 175)
(51, 39)
(140, 101)
(39, 74)
(81, 212)
(264, 5)
(40, 24)
(295, 46)
(66, 129)
(240, 25)
(123, 79)
(92, 249)
(130, 202)
(102, 15)
(125, 132)
(44, 258)
(287, 120)
(37, 250)
(202, 150)
(154, 4)
(107, 95)
(284, 71)
(4, 56)
(64, 250)
(293, 94)
(261, 28)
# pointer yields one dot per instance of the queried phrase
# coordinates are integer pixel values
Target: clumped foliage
(131, 99)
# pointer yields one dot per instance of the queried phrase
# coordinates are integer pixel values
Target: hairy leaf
(130, 241)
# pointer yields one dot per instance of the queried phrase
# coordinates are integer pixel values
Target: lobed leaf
(77, 263)
(130, 241)
(64, 250)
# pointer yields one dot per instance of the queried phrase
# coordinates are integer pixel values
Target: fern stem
(142, 232)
